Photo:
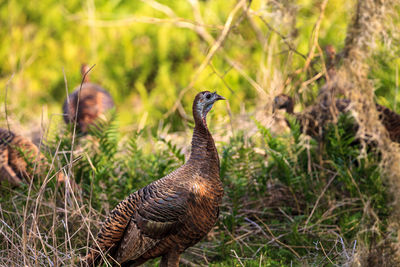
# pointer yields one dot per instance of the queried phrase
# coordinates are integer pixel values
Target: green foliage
(280, 203)
(109, 171)
(285, 204)
(354, 181)
(145, 65)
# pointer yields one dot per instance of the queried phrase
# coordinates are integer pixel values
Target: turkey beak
(218, 97)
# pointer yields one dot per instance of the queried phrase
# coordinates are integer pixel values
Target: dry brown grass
(369, 20)
(55, 227)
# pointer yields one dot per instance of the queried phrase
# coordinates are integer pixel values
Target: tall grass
(276, 211)
(286, 202)
(145, 54)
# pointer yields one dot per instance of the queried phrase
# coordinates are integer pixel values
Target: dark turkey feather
(94, 101)
(15, 154)
(312, 119)
(171, 214)
(391, 121)
(389, 118)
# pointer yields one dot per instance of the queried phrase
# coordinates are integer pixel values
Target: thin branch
(221, 77)
(237, 257)
(201, 31)
(314, 42)
(210, 55)
(323, 250)
(160, 7)
(5, 101)
(69, 174)
(179, 22)
(291, 48)
(239, 69)
(76, 115)
(276, 239)
(309, 81)
(318, 199)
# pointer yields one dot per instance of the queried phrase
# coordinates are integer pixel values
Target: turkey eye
(208, 96)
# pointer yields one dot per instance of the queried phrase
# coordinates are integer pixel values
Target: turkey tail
(6, 172)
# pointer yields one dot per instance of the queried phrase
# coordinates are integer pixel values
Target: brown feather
(391, 121)
(170, 214)
(389, 118)
(15, 154)
(94, 101)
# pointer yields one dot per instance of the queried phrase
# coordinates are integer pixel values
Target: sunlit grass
(284, 204)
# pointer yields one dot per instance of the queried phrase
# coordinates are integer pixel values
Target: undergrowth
(282, 206)
(287, 202)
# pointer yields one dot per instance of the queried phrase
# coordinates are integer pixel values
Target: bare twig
(276, 239)
(237, 257)
(160, 7)
(5, 102)
(214, 48)
(178, 22)
(222, 76)
(284, 39)
(318, 199)
(314, 44)
(315, 38)
(201, 31)
(309, 81)
(76, 115)
(69, 173)
(323, 250)
(258, 87)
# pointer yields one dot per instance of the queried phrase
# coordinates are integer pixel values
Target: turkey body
(14, 151)
(93, 102)
(170, 214)
(391, 121)
(312, 119)
(389, 118)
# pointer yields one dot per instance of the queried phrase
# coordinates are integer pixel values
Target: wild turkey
(171, 214)
(311, 119)
(389, 118)
(286, 103)
(93, 102)
(391, 121)
(15, 153)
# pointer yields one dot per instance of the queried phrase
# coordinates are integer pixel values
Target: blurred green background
(147, 52)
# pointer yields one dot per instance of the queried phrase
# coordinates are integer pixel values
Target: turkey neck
(204, 155)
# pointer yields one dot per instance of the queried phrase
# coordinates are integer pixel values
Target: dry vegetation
(289, 201)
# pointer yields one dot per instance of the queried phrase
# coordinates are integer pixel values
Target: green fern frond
(177, 152)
